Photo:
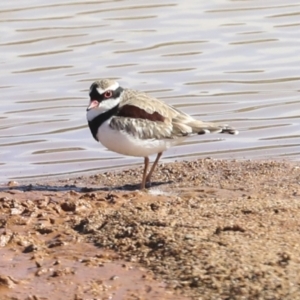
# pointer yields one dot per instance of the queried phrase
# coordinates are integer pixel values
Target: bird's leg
(153, 166)
(146, 163)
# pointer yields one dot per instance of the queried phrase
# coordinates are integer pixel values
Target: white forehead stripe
(100, 91)
(112, 87)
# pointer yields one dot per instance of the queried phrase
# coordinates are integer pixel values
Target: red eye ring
(108, 94)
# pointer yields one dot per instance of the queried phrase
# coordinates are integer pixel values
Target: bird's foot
(146, 185)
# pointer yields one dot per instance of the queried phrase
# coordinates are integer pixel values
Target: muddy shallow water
(212, 229)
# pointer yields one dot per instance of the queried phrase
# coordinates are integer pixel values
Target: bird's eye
(107, 94)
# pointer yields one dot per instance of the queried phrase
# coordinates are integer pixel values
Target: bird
(133, 123)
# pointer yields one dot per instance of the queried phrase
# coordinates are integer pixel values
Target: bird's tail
(200, 127)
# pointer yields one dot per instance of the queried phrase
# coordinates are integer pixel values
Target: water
(233, 62)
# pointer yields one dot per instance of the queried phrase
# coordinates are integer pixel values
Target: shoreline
(207, 228)
(55, 178)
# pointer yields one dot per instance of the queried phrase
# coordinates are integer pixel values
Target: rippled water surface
(232, 62)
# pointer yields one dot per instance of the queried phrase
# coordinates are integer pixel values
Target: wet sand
(206, 229)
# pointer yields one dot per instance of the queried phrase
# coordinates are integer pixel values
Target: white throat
(102, 108)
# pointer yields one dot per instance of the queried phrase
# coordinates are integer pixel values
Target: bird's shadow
(72, 187)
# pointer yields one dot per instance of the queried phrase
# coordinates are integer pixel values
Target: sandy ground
(206, 229)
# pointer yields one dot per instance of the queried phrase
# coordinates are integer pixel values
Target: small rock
(74, 193)
(33, 297)
(189, 237)
(68, 206)
(12, 183)
(5, 238)
(8, 281)
(30, 248)
(38, 264)
(41, 272)
(16, 211)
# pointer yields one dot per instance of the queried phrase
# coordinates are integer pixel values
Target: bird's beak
(93, 104)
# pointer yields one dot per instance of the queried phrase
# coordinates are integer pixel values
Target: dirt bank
(206, 229)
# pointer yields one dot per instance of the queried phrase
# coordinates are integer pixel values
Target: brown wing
(145, 117)
(149, 104)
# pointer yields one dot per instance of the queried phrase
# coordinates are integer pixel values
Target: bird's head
(104, 95)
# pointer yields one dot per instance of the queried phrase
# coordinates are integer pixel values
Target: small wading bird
(133, 123)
